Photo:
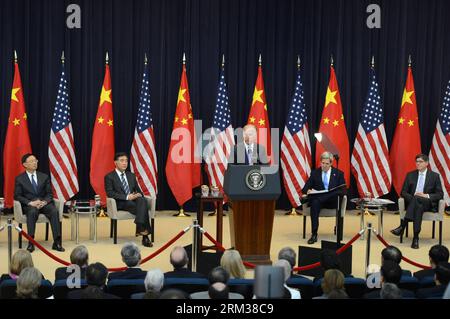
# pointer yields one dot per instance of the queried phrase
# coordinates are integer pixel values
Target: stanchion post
(9, 243)
(195, 244)
(369, 233)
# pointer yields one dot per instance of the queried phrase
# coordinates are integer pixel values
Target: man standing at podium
(249, 152)
(326, 178)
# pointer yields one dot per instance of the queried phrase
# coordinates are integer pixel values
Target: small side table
(85, 208)
(218, 200)
(376, 206)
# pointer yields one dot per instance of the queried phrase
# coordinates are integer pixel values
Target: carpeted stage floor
(286, 232)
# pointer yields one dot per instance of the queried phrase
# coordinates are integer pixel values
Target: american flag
(222, 137)
(61, 150)
(370, 157)
(295, 147)
(143, 155)
(440, 149)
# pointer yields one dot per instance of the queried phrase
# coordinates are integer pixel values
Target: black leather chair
(124, 288)
(60, 288)
(188, 285)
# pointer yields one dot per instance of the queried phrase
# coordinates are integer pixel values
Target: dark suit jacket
(433, 292)
(24, 191)
(424, 273)
(376, 294)
(113, 185)
(432, 187)
(239, 155)
(85, 294)
(61, 273)
(129, 273)
(183, 273)
(315, 181)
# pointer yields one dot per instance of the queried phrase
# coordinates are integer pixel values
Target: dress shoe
(415, 243)
(398, 231)
(313, 239)
(30, 247)
(58, 247)
(146, 241)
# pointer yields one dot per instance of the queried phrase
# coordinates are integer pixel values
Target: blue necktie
(325, 180)
(420, 183)
(250, 156)
(125, 184)
(34, 184)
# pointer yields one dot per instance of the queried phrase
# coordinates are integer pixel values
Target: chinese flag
(332, 125)
(17, 142)
(102, 154)
(259, 116)
(182, 166)
(406, 142)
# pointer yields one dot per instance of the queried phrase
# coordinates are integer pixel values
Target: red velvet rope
(303, 268)
(66, 263)
(409, 261)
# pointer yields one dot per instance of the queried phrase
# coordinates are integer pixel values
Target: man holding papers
(322, 190)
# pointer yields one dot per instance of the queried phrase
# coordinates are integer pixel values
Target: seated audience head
(96, 275)
(391, 253)
(173, 294)
(154, 280)
(79, 256)
(390, 291)
(232, 261)
(131, 255)
(442, 274)
(333, 279)
(438, 254)
(337, 294)
(28, 283)
(218, 290)
(390, 272)
(179, 258)
(329, 260)
(20, 260)
(218, 274)
(286, 268)
(287, 253)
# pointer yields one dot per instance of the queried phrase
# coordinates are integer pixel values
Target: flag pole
(181, 212)
(409, 61)
(63, 57)
(15, 56)
(293, 211)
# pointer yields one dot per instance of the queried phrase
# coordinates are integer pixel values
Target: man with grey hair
(287, 269)
(154, 281)
(390, 291)
(247, 151)
(331, 181)
(288, 254)
(79, 257)
(131, 256)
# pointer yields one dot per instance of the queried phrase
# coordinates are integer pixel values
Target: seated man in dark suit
(79, 257)
(123, 187)
(247, 151)
(441, 278)
(179, 260)
(390, 273)
(437, 254)
(325, 178)
(131, 256)
(96, 279)
(34, 192)
(422, 191)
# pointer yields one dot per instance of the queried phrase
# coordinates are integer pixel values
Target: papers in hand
(314, 191)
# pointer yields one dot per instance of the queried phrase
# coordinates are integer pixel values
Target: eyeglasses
(32, 161)
(420, 161)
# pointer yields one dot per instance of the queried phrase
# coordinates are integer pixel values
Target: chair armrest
(60, 207)
(151, 201)
(441, 207)
(111, 208)
(18, 214)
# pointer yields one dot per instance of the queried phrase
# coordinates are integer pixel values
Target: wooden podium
(253, 209)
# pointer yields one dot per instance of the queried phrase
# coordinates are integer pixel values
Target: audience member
(78, 257)
(96, 275)
(294, 293)
(131, 256)
(20, 260)
(232, 262)
(436, 254)
(179, 260)
(28, 283)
